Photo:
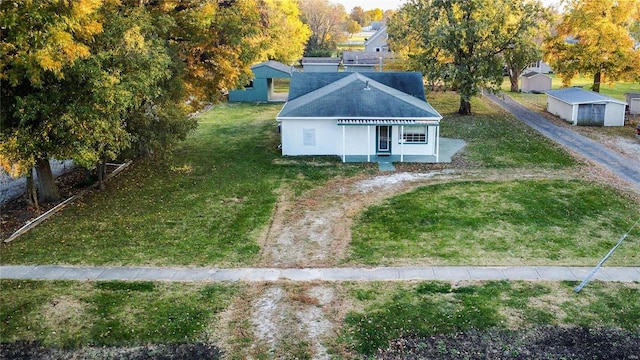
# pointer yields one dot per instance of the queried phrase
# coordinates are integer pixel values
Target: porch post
(368, 143)
(344, 146)
(401, 143)
(437, 143)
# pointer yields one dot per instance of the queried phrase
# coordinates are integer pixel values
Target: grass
(77, 314)
(428, 308)
(205, 206)
(498, 223)
(616, 90)
(496, 139)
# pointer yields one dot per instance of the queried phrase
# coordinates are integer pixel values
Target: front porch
(448, 148)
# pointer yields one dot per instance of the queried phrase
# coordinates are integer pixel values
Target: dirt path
(313, 230)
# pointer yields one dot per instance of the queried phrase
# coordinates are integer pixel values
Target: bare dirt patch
(314, 230)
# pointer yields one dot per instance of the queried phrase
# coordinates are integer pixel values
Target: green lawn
(75, 314)
(431, 308)
(493, 223)
(616, 90)
(205, 206)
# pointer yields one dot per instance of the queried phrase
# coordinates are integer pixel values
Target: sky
(370, 4)
(386, 4)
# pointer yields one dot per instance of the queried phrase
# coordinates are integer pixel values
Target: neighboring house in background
(534, 82)
(360, 117)
(378, 41)
(320, 64)
(582, 107)
(538, 67)
(363, 61)
(261, 89)
(633, 103)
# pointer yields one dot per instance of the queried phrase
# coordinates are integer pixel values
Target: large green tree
(88, 79)
(461, 41)
(595, 37)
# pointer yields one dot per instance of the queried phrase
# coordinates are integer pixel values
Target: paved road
(445, 273)
(624, 167)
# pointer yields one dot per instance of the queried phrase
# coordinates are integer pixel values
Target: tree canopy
(327, 23)
(91, 79)
(461, 41)
(595, 37)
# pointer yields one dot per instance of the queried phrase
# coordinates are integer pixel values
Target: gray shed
(261, 89)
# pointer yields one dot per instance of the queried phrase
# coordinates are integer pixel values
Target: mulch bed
(549, 343)
(17, 212)
(33, 350)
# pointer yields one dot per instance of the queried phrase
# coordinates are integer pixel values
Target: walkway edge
(444, 273)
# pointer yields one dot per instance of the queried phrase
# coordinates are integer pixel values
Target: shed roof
(321, 60)
(364, 57)
(531, 74)
(274, 65)
(356, 96)
(574, 96)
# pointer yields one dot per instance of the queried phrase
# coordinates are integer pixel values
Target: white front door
(383, 134)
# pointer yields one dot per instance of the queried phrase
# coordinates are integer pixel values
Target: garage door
(591, 114)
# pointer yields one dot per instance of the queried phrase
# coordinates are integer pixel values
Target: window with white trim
(414, 135)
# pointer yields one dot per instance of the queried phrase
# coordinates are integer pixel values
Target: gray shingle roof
(407, 82)
(354, 95)
(580, 96)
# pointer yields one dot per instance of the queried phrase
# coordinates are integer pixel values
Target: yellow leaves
(134, 40)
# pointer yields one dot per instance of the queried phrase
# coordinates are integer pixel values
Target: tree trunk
(465, 107)
(46, 182)
(101, 170)
(513, 79)
(32, 194)
(596, 81)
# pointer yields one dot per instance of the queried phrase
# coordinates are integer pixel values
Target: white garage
(587, 108)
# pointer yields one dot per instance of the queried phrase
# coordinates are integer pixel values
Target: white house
(360, 117)
(540, 67)
(378, 41)
(532, 82)
(582, 107)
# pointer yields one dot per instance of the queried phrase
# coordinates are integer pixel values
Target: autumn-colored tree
(461, 41)
(526, 46)
(39, 41)
(326, 20)
(374, 15)
(357, 15)
(352, 27)
(594, 37)
(287, 34)
(87, 79)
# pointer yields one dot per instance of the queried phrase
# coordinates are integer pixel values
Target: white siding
(325, 142)
(614, 115)
(357, 140)
(634, 106)
(562, 110)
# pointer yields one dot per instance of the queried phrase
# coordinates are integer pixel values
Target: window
(415, 135)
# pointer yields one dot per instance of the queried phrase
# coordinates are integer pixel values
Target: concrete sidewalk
(445, 273)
